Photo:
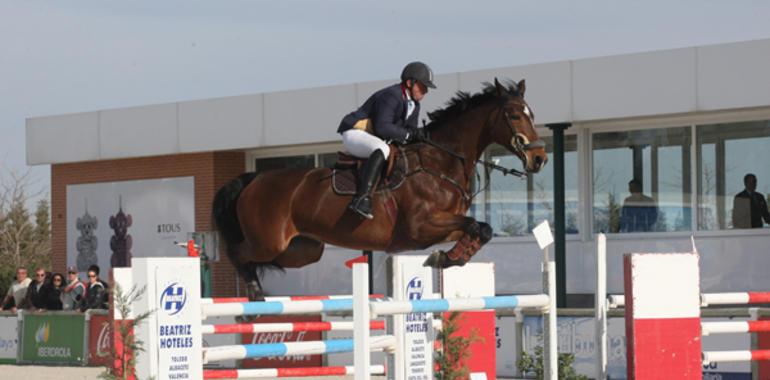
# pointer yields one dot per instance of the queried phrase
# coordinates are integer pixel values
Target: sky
(64, 57)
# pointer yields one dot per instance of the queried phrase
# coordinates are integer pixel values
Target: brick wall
(211, 170)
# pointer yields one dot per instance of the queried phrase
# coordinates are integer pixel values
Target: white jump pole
(361, 317)
(550, 338)
(600, 306)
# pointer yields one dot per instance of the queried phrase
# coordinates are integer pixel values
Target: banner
(49, 338)
(9, 338)
(109, 223)
(99, 340)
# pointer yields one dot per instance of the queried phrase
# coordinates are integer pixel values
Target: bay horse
(282, 218)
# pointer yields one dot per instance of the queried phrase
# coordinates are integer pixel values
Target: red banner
(99, 340)
(284, 337)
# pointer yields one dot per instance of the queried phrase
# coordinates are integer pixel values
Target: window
(726, 153)
(514, 206)
(290, 162)
(641, 180)
(327, 160)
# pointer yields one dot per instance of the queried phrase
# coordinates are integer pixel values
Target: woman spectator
(96, 295)
(53, 300)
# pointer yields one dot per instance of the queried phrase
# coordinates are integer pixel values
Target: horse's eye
(514, 117)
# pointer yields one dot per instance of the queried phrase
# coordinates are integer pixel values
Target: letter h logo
(173, 298)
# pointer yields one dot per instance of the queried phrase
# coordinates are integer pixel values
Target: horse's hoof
(434, 260)
(246, 318)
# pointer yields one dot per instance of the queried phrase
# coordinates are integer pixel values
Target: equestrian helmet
(419, 72)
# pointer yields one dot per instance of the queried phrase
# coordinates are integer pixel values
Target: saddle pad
(344, 182)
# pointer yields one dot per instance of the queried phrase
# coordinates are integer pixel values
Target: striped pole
(254, 328)
(282, 298)
(276, 307)
(285, 372)
(708, 328)
(459, 304)
(742, 298)
(735, 356)
(616, 301)
(710, 299)
(250, 351)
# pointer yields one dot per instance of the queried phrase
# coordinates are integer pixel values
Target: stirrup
(356, 204)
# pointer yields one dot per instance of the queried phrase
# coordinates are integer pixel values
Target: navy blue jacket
(386, 109)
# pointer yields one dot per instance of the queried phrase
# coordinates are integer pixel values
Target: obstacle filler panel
(474, 280)
(413, 331)
(663, 316)
(172, 333)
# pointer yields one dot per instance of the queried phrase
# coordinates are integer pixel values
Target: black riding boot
(362, 202)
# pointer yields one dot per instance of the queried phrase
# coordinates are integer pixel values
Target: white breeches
(362, 144)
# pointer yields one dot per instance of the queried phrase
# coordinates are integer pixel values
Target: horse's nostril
(538, 160)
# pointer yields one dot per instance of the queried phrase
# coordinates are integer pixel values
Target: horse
(283, 218)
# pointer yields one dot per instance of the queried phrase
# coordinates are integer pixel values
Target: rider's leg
(362, 202)
(362, 144)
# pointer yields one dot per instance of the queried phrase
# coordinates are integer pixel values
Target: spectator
(73, 292)
(96, 295)
(749, 207)
(639, 212)
(17, 291)
(54, 293)
(37, 296)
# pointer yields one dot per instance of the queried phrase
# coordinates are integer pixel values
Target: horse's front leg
(473, 236)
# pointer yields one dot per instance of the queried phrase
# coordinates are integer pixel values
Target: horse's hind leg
(250, 274)
(302, 251)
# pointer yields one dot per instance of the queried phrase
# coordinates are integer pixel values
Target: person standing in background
(17, 291)
(36, 297)
(750, 207)
(74, 290)
(54, 293)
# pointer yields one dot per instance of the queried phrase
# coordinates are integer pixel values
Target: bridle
(519, 141)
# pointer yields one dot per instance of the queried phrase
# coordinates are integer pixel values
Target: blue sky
(64, 57)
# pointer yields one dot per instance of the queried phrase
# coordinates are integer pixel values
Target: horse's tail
(225, 214)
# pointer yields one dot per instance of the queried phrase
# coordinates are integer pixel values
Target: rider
(390, 114)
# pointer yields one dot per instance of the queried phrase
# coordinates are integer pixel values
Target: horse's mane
(462, 101)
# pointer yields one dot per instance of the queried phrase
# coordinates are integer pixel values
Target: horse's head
(512, 125)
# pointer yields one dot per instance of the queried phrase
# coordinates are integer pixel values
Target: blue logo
(173, 299)
(414, 289)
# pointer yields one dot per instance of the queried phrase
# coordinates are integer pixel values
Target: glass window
(726, 154)
(290, 162)
(641, 180)
(327, 160)
(514, 206)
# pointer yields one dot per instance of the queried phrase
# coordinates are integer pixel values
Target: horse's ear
(499, 88)
(522, 86)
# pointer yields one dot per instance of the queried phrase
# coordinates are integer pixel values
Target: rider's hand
(416, 135)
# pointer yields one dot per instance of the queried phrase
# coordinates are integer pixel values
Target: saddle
(346, 171)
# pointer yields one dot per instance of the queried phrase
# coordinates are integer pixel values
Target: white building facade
(688, 124)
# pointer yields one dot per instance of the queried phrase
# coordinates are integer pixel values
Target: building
(688, 124)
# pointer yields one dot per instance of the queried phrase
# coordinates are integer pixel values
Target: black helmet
(419, 72)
